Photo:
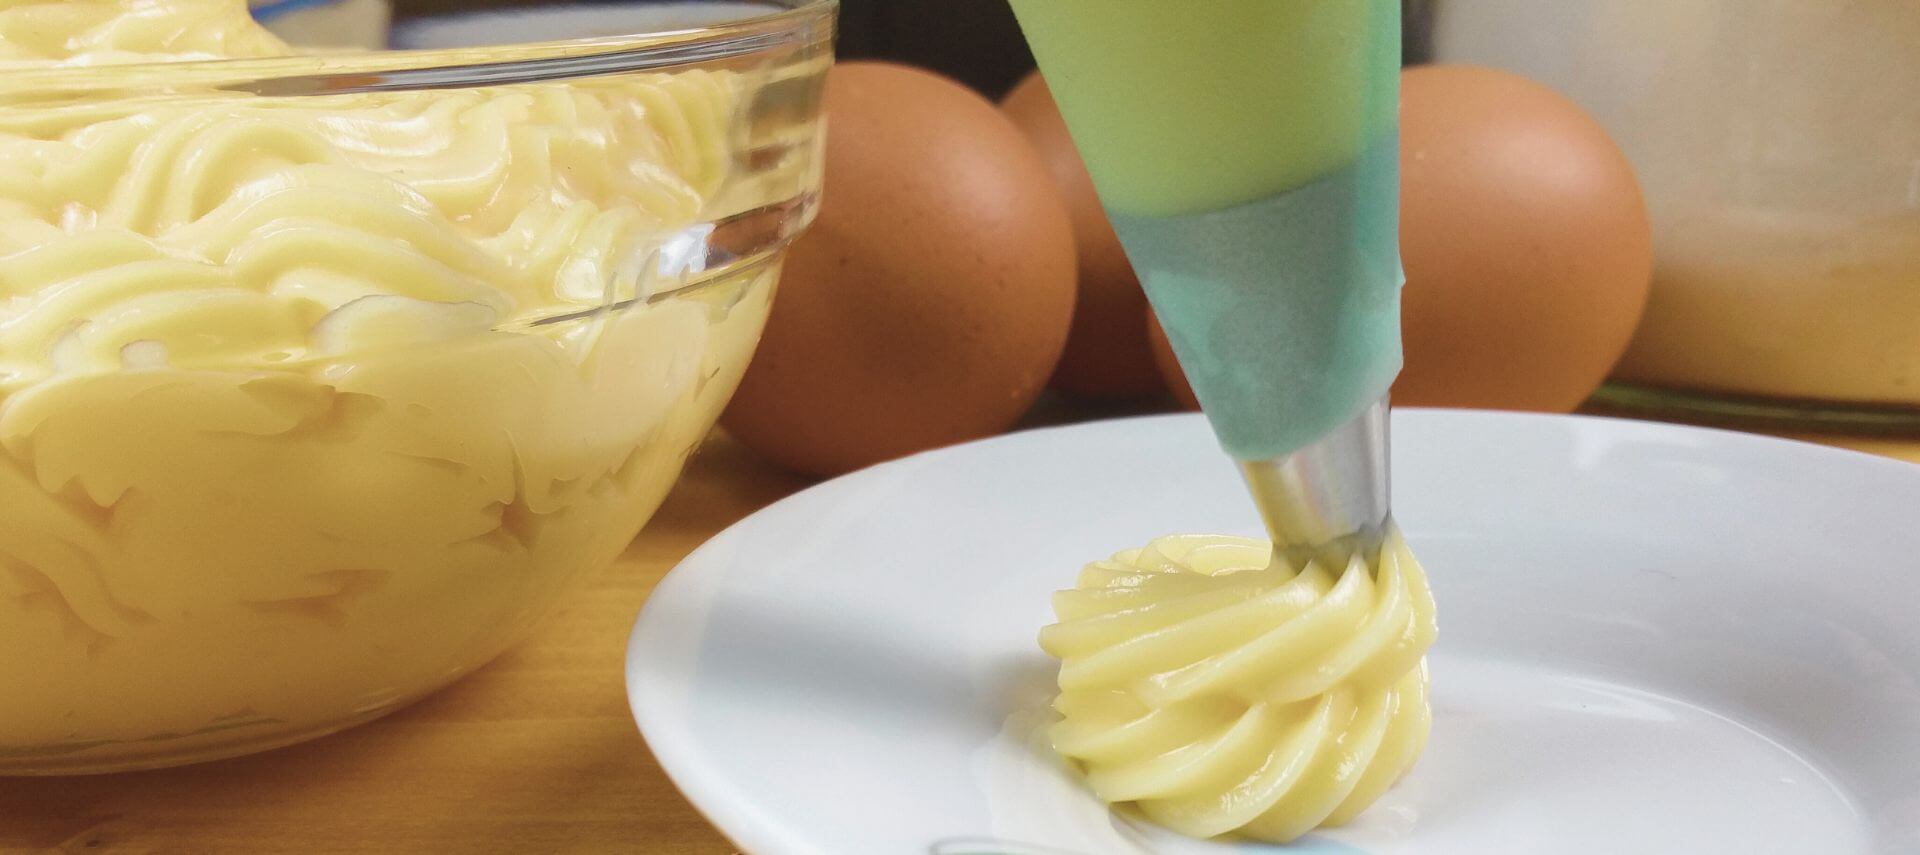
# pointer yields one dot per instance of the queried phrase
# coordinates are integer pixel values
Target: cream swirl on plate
(1220, 692)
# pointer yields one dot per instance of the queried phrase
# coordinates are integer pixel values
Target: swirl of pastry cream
(1221, 692)
(309, 404)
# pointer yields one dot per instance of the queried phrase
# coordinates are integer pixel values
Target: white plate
(1653, 639)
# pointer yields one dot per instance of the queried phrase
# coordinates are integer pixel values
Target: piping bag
(1247, 153)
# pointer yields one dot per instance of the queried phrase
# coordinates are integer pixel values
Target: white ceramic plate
(1653, 639)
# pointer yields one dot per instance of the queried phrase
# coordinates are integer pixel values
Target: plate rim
(753, 829)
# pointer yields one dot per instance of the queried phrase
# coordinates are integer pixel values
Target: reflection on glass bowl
(321, 378)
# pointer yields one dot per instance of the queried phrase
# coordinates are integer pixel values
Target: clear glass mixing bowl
(275, 463)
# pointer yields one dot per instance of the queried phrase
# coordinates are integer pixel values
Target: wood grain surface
(535, 753)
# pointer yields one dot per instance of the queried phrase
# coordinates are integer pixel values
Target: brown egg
(1168, 365)
(1525, 239)
(1107, 357)
(930, 300)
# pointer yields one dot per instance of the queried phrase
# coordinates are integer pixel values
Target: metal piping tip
(1328, 501)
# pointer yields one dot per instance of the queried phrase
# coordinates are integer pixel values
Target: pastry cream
(309, 404)
(1222, 692)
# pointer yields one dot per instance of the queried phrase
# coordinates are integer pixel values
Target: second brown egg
(929, 302)
(1107, 357)
(1168, 365)
(1526, 243)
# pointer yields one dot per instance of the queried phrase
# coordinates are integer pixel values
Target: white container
(1779, 144)
(343, 24)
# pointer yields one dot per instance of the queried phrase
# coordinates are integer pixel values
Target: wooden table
(535, 753)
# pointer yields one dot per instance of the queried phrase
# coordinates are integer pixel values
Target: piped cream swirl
(1221, 693)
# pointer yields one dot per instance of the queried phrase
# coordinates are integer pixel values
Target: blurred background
(974, 41)
(1705, 211)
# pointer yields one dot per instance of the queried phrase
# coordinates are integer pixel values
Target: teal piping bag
(1247, 154)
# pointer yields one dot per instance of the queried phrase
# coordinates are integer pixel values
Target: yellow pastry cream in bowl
(322, 377)
(1220, 691)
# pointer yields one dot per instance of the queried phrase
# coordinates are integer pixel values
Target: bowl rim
(788, 25)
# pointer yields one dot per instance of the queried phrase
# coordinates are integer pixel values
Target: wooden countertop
(534, 753)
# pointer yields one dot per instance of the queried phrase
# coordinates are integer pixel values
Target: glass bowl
(322, 378)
